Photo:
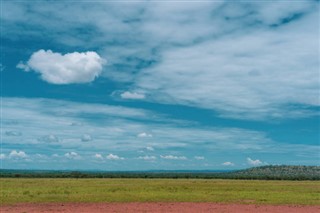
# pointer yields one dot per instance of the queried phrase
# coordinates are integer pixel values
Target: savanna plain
(53, 194)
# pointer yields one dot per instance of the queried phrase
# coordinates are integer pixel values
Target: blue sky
(159, 85)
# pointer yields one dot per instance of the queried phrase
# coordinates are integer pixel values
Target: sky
(159, 85)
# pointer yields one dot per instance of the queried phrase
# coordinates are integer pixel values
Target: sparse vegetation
(45, 190)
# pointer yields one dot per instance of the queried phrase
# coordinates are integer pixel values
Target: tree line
(256, 173)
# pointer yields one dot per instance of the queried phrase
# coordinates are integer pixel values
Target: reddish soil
(156, 207)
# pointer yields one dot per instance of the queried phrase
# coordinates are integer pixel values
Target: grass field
(161, 190)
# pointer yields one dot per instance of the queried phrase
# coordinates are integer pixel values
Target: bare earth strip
(155, 207)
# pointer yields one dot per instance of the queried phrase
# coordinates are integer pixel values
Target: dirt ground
(156, 207)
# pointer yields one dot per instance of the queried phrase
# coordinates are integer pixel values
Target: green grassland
(45, 190)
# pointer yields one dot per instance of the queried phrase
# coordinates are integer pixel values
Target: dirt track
(156, 207)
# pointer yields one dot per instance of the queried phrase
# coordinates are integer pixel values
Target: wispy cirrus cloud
(254, 61)
(252, 75)
(118, 130)
(245, 60)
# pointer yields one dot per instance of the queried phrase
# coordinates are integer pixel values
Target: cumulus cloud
(57, 68)
(172, 157)
(256, 162)
(86, 138)
(252, 60)
(98, 156)
(199, 157)
(49, 139)
(72, 155)
(151, 158)
(228, 163)
(2, 156)
(17, 154)
(144, 135)
(114, 157)
(132, 95)
(122, 125)
(13, 133)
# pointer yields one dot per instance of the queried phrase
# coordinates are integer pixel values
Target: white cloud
(199, 157)
(247, 75)
(17, 154)
(244, 62)
(250, 61)
(118, 131)
(149, 148)
(172, 157)
(23, 66)
(2, 156)
(72, 155)
(70, 68)
(114, 157)
(144, 135)
(274, 12)
(132, 95)
(86, 138)
(151, 158)
(49, 139)
(254, 162)
(228, 163)
(98, 156)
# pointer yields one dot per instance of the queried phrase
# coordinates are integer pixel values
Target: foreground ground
(156, 207)
(157, 195)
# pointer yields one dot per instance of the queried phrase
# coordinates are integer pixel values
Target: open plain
(157, 195)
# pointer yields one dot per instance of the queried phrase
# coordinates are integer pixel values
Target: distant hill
(259, 173)
(279, 173)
